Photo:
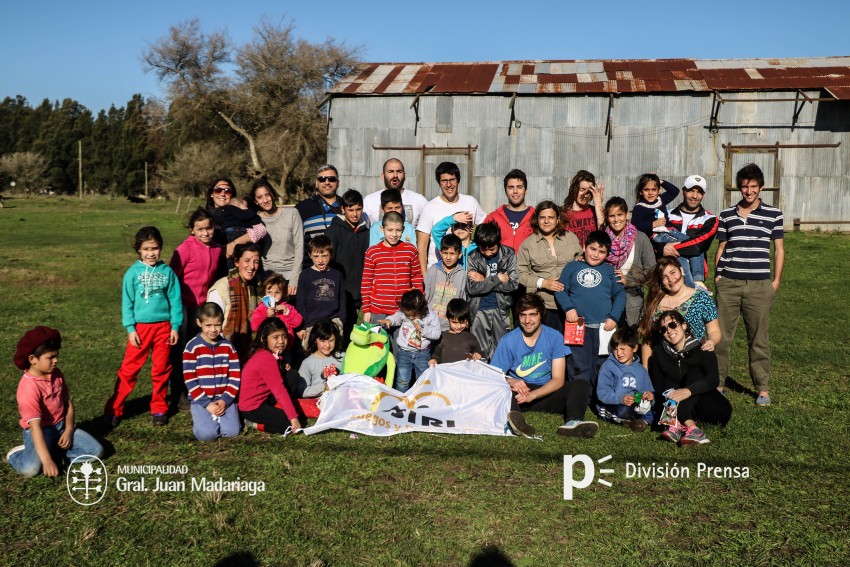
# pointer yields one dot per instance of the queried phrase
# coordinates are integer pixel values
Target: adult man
(514, 219)
(742, 276)
(533, 358)
(318, 210)
(449, 202)
(393, 178)
(692, 219)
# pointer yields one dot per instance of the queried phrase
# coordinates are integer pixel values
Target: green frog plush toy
(369, 353)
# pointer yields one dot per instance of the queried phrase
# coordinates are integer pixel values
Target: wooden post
(177, 210)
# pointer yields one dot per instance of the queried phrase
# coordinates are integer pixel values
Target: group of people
(260, 300)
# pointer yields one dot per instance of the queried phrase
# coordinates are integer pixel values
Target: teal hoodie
(150, 294)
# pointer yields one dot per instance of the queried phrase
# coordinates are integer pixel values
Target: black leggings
(711, 407)
(570, 400)
(272, 418)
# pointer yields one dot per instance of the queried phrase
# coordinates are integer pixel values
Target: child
(620, 378)
(212, 375)
(274, 304)
(445, 280)
(151, 312)
(593, 291)
(197, 262)
(263, 400)
(349, 234)
(324, 360)
(418, 326)
(492, 277)
(390, 268)
(320, 293)
(461, 226)
(235, 219)
(391, 201)
(457, 343)
(650, 213)
(47, 413)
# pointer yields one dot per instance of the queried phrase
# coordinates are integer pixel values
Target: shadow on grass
(490, 556)
(739, 388)
(238, 559)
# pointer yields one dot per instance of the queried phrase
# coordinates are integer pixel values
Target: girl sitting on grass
(687, 375)
(263, 400)
(324, 360)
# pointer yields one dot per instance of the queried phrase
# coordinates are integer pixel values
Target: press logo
(570, 481)
(86, 480)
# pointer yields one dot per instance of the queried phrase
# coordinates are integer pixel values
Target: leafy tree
(269, 102)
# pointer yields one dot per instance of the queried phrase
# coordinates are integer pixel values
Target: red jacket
(509, 236)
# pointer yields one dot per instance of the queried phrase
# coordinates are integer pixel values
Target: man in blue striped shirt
(318, 210)
(742, 276)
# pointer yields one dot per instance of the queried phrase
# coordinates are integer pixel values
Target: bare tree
(195, 165)
(270, 101)
(28, 169)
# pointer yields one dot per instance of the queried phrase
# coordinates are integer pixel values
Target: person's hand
(518, 386)
(270, 312)
(525, 398)
(229, 250)
(598, 192)
(287, 367)
(679, 395)
(66, 440)
(609, 325)
(383, 323)
(134, 339)
(648, 396)
(296, 425)
(475, 276)
(708, 345)
(217, 407)
(173, 337)
(504, 278)
(572, 316)
(464, 216)
(49, 468)
(620, 277)
(659, 222)
(367, 318)
(670, 250)
(417, 325)
(284, 309)
(474, 356)
(775, 284)
(302, 333)
(293, 289)
(552, 285)
(432, 362)
(628, 400)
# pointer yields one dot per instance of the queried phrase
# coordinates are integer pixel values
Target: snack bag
(669, 412)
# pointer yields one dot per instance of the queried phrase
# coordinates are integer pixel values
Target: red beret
(31, 340)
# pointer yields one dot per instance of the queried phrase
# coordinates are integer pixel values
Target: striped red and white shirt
(211, 371)
(389, 271)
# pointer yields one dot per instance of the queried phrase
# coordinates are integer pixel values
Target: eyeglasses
(671, 326)
(331, 178)
(220, 190)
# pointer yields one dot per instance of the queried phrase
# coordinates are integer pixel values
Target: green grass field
(420, 499)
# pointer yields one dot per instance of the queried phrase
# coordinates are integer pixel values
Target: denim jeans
(28, 463)
(206, 427)
(407, 360)
(694, 267)
(620, 411)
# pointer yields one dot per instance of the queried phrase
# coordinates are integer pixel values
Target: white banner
(467, 397)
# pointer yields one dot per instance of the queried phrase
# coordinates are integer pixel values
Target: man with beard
(393, 178)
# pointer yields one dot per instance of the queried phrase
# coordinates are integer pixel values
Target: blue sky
(91, 50)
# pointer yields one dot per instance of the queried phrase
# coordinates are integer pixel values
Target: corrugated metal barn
(617, 119)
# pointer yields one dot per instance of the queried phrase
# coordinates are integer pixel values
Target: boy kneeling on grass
(47, 413)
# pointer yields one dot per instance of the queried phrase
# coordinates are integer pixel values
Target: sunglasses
(671, 326)
(220, 190)
(331, 178)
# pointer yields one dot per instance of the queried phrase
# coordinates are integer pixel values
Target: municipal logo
(86, 480)
(588, 277)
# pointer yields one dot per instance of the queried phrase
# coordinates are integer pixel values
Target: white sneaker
(14, 450)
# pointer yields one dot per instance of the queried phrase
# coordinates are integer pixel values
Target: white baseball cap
(695, 181)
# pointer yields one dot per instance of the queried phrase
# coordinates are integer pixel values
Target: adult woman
(219, 195)
(577, 215)
(237, 295)
(631, 255)
(667, 291)
(678, 364)
(543, 255)
(283, 247)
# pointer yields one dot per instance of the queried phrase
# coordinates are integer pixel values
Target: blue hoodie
(617, 380)
(150, 294)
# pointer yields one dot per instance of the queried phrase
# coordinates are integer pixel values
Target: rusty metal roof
(599, 77)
